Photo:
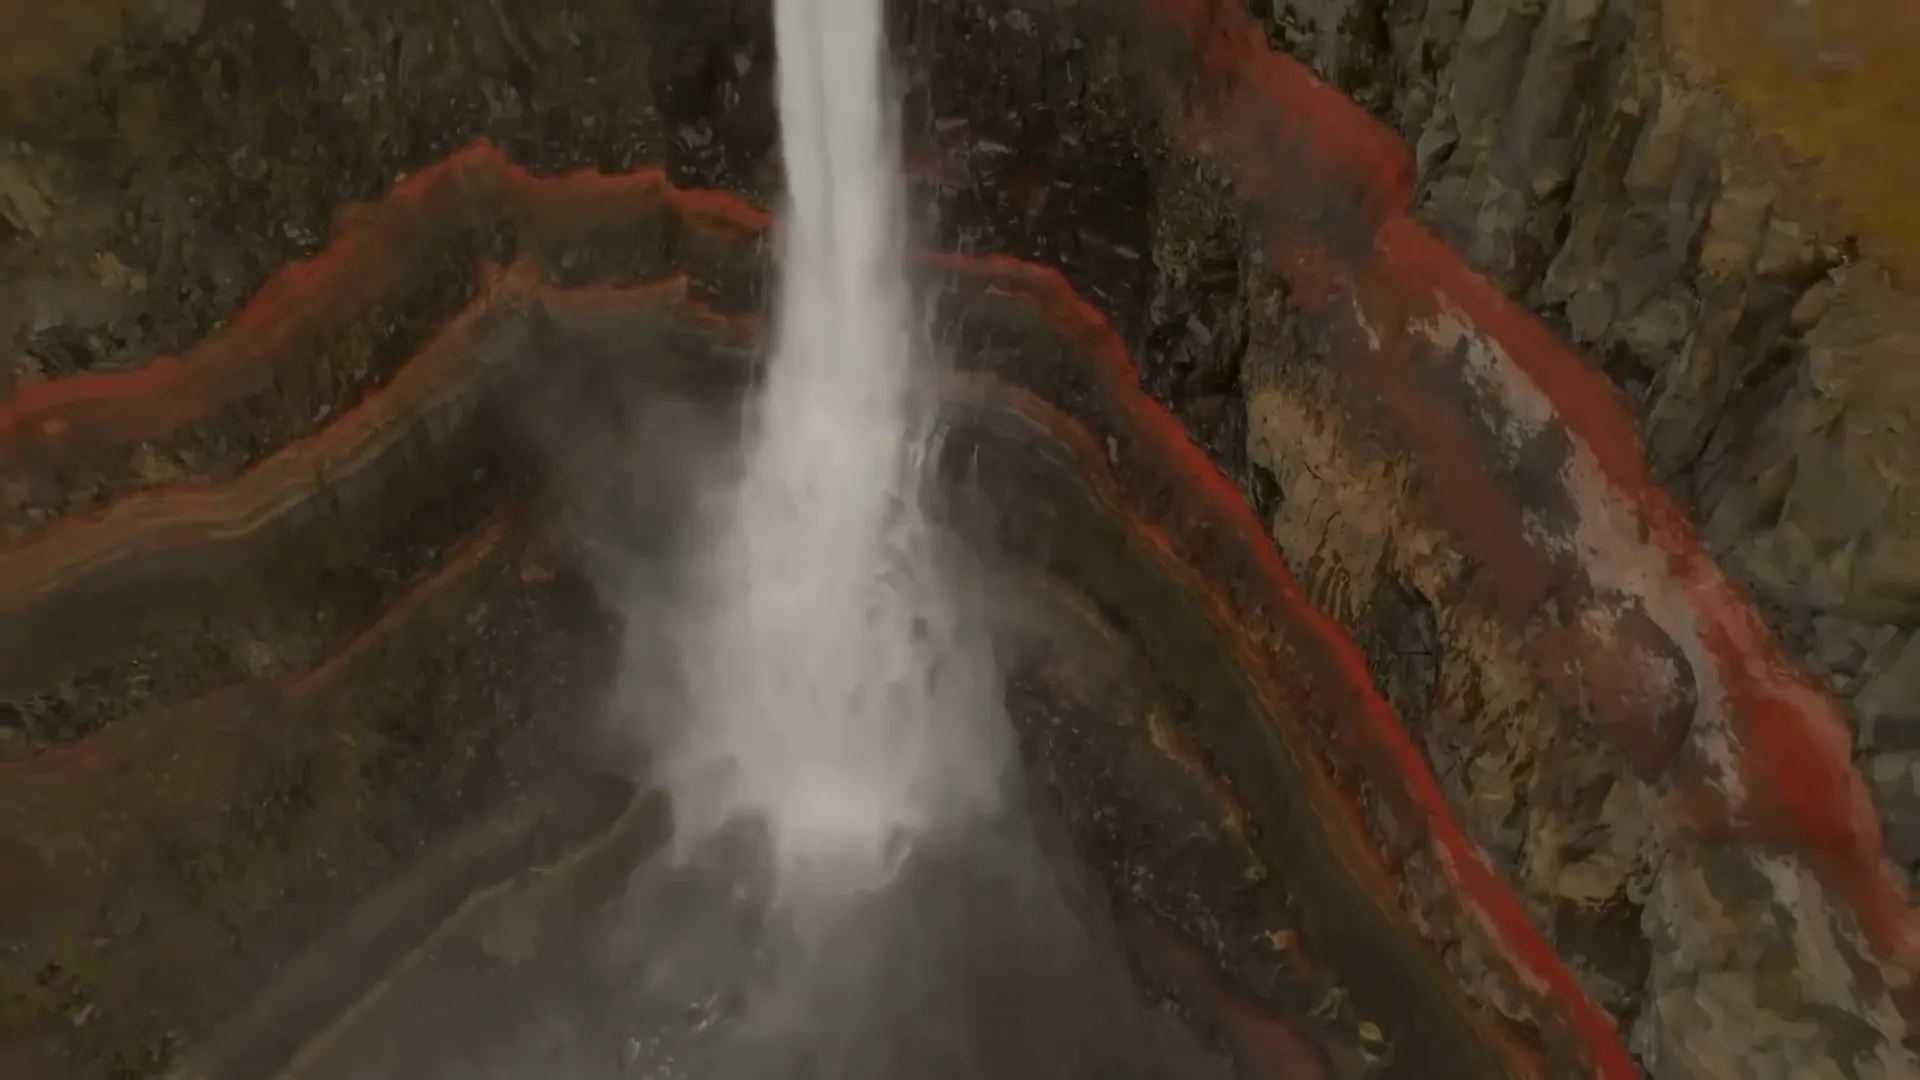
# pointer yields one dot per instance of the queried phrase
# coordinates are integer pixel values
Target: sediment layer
(1054, 347)
(1611, 792)
(1069, 349)
(1608, 716)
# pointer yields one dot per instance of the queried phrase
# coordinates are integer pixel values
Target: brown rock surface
(1711, 202)
(260, 306)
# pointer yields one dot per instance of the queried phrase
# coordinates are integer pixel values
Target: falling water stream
(899, 913)
(835, 693)
(840, 696)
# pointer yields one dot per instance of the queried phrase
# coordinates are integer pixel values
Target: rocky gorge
(1556, 356)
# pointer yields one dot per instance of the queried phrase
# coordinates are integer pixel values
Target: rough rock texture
(314, 516)
(622, 344)
(1620, 810)
(1659, 181)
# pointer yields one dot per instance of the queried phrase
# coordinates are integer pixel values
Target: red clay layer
(1278, 598)
(1281, 132)
(1498, 912)
(190, 515)
(1265, 1041)
(371, 256)
(1262, 646)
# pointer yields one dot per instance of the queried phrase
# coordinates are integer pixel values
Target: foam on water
(835, 695)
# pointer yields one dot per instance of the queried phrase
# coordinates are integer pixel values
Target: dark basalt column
(283, 613)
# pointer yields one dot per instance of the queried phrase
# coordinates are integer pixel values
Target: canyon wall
(1644, 180)
(1710, 201)
(1707, 201)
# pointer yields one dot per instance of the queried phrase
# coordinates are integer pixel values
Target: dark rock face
(1579, 156)
(1581, 698)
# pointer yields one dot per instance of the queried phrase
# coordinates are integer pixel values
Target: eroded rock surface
(1643, 179)
(1666, 192)
(1580, 689)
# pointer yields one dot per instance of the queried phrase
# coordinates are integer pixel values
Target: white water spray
(835, 694)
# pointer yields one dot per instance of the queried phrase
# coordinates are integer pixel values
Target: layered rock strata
(1708, 201)
(1610, 801)
(112, 925)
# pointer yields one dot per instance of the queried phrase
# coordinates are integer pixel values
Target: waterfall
(836, 696)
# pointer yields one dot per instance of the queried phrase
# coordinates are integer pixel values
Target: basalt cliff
(1490, 423)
